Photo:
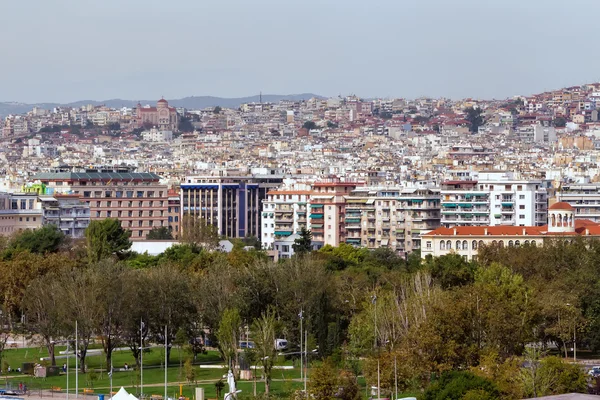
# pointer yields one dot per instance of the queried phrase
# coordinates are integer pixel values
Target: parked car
(595, 371)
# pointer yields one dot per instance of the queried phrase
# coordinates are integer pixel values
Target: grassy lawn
(284, 382)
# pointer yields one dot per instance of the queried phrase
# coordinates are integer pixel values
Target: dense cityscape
(371, 173)
(316, 200)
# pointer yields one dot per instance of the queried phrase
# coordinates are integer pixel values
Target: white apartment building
(584, 198)
(155, 135)
(284, 213)
(494, 198)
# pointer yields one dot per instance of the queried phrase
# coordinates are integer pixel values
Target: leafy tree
(559, 122)
(46, 239)
(263, 333)
(41, 305)
(185, 125)
(309, 125)
(105, 238)
(323, 381)
(386, 115)
(457, 385)
(171, 302)
(331, 124)
(303, 244)
(190, 373)
(451, 270)
(198, 232)
(217, 110)
(474, 117)
(159, 233)
(228, 334)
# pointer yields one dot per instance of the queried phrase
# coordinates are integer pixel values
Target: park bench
(55, 389)
(88, 391)
(156, 397)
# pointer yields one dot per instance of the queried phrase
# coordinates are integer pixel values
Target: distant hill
(194, 102)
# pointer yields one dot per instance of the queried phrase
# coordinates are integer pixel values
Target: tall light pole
(374, 301)
(165, 398)
(301, 355)
(574, 335)
(76, 362)
(141, 358)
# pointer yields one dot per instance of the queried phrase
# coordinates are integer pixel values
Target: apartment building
(495, 198)
(19, 212)
(137, 199)
(67, 212)
(284, 214)
(174, 212)
(584, 198)
(466, 240)
(327, 211)
(231, 203)
(391, 217)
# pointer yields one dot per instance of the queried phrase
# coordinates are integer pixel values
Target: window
(465, 245)
(285, 248)
(521, 197)
(480, 243)
(521, 207)
(501, 243)
(141, 233)
(87, 194)
(108, 194)
(510, 243)
(457, 245)
(428, 244)
(520, 187)
(27, 219)
(130, 193)
(442, 245)
(108, 203)
(517, 243)
(23, 205)
(448, 245)
(533, 243)
(506, 187)
(521, 216)
(474, 245)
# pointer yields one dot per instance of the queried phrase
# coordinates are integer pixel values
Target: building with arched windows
(466, 240)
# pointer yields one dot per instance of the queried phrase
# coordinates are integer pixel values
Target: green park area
(96, 378)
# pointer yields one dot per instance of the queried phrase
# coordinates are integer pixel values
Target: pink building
(162, 117)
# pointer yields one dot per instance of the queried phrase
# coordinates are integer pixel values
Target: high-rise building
(284, 213)
(584, 198)
(494, 198)
(327, 211)
(391, 217)
(231, 203)
(137, 199)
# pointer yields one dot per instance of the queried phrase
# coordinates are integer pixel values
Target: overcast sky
(67, 50)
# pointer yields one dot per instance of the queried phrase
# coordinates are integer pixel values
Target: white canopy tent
(123, 395)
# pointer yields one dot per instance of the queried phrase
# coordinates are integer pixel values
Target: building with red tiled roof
(465, 240)
(163, 117)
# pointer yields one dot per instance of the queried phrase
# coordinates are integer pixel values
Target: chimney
(485, 231)
(454, 231)
(524, 231)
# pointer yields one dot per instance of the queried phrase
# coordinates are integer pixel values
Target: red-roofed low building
(466, 240)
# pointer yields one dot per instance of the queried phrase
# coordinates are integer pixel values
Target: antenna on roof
(260, 97)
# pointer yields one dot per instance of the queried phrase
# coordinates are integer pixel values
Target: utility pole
(165, 398)
(141, 358)
(306, 355)
(378, 382)
(76, 362)
(301, 348)
(396, 377)
(68, 369)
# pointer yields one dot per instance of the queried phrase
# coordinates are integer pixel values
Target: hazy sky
(67, 50)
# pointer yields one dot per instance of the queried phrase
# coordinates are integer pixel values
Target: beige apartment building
(19, 212)
(136, 199)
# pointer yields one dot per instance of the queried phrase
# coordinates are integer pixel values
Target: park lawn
(154, 357)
